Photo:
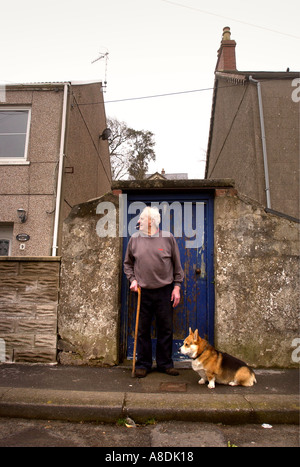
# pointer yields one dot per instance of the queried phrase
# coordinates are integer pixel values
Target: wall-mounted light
(22, 215)
(105, 134)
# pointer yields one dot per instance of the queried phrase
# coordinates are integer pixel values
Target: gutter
(263, 138)
(60, 171)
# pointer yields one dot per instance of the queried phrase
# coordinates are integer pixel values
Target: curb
(226, 409)
(108, 407)
(75, 406)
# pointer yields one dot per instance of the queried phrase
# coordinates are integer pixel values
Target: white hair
(153, 213)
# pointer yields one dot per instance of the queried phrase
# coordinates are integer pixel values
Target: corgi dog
(214, 366)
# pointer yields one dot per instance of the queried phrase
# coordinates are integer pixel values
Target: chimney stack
(226, 53)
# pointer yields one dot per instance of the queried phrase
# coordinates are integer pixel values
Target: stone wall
(256, 282)
(90, 294)
(28, 308)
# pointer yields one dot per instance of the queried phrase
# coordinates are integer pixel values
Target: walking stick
(136, 330)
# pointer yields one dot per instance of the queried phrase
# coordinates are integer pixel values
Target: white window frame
(18, 160)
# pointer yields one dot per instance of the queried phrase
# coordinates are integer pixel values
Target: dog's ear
(196, 335)
(191, 332)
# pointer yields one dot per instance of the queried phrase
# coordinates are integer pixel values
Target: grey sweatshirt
(154, 261)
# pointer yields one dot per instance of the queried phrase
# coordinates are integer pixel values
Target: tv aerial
(103, 56)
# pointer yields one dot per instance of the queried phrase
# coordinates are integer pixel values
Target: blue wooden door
(190, 218)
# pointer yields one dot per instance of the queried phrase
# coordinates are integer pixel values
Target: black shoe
(169, 371)
(140, 373)
(172, 372)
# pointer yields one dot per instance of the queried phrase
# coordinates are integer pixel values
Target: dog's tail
(252, 379)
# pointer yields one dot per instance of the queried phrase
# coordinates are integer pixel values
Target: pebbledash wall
(256, 284)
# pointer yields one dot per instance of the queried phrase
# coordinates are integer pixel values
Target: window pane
(12, 145)
(13, 121)
(4, 247)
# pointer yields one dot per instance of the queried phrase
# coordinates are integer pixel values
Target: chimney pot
(226, 33)
(226, 53)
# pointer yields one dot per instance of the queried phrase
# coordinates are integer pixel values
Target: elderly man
(152, 262)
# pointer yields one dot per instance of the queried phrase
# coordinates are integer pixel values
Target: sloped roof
(172, 176)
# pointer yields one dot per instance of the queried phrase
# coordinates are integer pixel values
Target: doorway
(189, 216)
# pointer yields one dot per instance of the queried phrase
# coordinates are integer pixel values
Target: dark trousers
(155, 302)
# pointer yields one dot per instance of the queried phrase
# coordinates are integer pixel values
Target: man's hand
(134, 286)
(175, 297)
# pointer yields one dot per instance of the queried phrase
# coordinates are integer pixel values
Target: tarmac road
(178, 435)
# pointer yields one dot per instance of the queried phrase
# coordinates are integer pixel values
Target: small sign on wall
(22, 237)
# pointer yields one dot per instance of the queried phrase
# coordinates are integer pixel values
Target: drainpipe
(263, 138)
(60, 171)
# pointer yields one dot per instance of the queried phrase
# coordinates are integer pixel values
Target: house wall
(31, 186)
(28, 309)
(282, 118)
(236, 148)
(87, 162)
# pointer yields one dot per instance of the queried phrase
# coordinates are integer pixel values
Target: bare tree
(130, 150)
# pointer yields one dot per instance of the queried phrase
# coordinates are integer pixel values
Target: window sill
(13, 162)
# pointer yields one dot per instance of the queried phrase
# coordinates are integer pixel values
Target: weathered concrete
(90, 293)
(173, 185)
(256, 282)
(107, 394)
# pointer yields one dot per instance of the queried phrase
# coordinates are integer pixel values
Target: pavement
(81, 393)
